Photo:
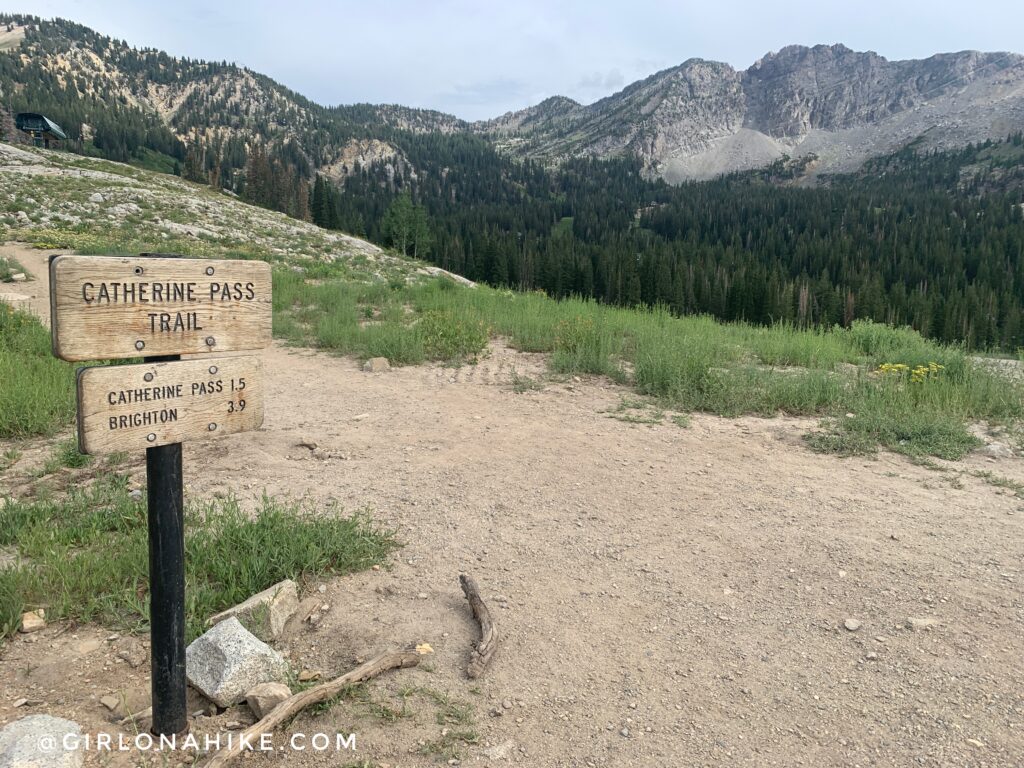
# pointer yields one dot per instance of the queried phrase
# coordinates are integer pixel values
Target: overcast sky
(481, 59)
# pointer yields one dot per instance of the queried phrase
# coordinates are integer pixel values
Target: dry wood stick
(488, 643)
(295, 704)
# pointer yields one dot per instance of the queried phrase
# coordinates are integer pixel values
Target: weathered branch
(488, 643)
(290, 707)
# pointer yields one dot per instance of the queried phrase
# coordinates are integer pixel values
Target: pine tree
(399, 222)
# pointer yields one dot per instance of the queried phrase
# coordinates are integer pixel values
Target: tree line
(934, 240)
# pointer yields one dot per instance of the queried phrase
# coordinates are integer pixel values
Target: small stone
(975, 743)
(507, 704)
(308, 442)
(32, 621)
(96, 197)
(20, 703)
(501, 751)
(135, 494)
(377, 365)
(917, 624)
(110, 702)
(852, 625)
(18, 277)
(131, 651)
(264, 697)
(871, 656)
(308, 675)
(233, 725)
(37, 741)
(422, 595)
(624, 733)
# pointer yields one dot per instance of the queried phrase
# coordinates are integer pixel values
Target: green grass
(65, 454)
(8, 458)
(37, 390)
(456, 717)
(1000, 482)
(684, 364)
(86, 555)
(152, 160)
(521, 383)
(9, 267)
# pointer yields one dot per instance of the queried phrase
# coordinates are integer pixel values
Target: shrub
(447, 336)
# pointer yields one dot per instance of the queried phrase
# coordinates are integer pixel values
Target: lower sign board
(127, 407)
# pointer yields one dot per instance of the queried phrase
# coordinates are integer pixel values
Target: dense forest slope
(934, 240)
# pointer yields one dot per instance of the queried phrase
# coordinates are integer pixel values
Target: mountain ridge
(703, 118)
(828, 105)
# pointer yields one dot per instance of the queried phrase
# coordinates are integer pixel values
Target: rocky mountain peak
(841, 106)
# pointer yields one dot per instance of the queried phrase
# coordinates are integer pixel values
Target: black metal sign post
(166, 583)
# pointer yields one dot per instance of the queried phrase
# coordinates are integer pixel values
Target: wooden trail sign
(107, 307)
(113, 307)
(130, 407)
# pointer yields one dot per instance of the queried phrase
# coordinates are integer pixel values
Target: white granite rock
(266, 613)
(39, 741)
(229, 661)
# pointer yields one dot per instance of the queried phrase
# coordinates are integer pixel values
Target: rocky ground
(58, 199)
(711, 594)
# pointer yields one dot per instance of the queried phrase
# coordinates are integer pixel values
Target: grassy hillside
(873, 385)
(62, 200)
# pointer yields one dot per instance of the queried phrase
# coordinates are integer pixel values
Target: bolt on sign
(158, 308)
(105, 307)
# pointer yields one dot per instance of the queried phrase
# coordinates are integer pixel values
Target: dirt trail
(668, 596)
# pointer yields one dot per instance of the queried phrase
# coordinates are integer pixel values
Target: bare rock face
(840, 106)
(40, 741)
(229, 661)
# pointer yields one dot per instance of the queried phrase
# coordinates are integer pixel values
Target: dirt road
(669, 596)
